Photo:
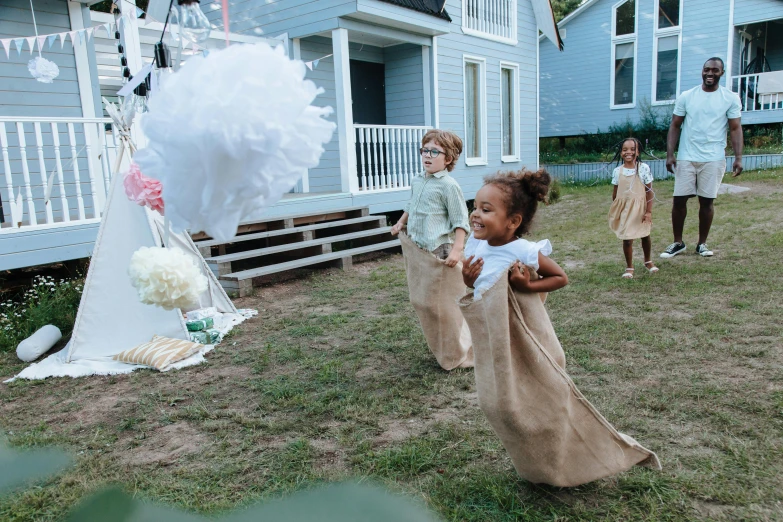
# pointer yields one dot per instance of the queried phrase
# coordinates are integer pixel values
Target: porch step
(292, 230)
(283, 243)
(290, 221)
(242, 282)
(221, 265)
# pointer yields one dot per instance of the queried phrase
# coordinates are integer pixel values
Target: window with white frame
(509, 111)
(491, 19)
(623, 84)
(666, 51)
(475, 110)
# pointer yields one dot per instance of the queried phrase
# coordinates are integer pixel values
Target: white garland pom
(166, 277)
(43, 70)
(229, 134)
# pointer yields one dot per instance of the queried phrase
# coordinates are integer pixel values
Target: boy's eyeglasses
(432, 153)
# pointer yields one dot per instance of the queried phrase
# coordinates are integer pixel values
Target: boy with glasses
(436, 214)
(437, 220)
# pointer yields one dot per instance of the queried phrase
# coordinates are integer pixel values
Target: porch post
(345, 132)
(132, 45)
(303, 185)
(87, 97)
(427, 84)
(434, 82)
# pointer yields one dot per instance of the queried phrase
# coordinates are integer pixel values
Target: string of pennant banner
(86, 34)
(82, 34)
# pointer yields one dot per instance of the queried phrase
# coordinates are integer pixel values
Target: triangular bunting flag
(309, 65)
(31, 43)
(72, 34)
(139, 12)
(41, 40)
(81, 36)
(107, 26)
(52, 38)
(62, 36)
(89, 33)
(7, 46)
(315, 63)
(19, 43)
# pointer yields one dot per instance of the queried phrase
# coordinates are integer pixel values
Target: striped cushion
(159, 353)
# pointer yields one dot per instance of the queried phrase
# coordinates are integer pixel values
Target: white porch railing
(76, 154)
(746, 86)
(387, 155)
(490, 18)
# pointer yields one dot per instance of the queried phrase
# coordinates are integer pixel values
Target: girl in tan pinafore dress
(630, 216)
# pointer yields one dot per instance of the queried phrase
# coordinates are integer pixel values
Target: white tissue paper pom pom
(229, 134)
(43, 70)
(166, 277)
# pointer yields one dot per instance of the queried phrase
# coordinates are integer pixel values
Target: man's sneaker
(703, 251)
(673, 249)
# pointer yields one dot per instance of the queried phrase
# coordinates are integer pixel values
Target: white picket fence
(75, 155)
(387, 155)
(582, 172)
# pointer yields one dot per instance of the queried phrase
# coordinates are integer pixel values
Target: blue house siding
(749, 11)
(326, 176)
(704, 35)
(404, 85)
(451, 49)
(21, 94)
(575, 85)
(262, 17)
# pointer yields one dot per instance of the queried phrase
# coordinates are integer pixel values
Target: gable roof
(576, 12)
(573, 14)
(431, 7)
(545, 19)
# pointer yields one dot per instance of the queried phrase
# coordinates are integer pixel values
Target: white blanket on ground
(55, 365)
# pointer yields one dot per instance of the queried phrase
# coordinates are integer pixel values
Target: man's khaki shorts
(699, 179)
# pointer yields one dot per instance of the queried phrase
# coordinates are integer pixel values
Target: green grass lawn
(333, 381)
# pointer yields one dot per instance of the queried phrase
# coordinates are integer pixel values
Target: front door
(368, 91)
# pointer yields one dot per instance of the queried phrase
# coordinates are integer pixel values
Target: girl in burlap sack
(436, 217)
(550, 430)
(630, 216)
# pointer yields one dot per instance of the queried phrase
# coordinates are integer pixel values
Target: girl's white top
(644, 173)
(498, 259)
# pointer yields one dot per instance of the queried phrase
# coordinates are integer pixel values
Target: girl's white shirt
(498, 259)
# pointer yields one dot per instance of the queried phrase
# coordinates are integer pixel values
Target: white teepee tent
(111, 318)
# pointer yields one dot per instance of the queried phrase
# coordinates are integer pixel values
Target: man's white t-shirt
(497, 260)
(707, 116)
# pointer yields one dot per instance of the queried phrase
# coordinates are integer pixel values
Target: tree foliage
(563, 8)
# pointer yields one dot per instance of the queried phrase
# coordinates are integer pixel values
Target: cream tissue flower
(143, 190)
(229, 134)
(166, 277)
(43, 70)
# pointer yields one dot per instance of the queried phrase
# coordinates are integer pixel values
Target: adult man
(703, 114)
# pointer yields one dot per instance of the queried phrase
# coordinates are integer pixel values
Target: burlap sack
(552, 433)
(434, 291)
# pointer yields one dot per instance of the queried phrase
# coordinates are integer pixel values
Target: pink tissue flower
(143, 190)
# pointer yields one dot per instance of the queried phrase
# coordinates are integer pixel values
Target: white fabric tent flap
(111, 318)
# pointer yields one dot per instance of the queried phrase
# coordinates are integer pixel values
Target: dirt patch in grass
(165, 445)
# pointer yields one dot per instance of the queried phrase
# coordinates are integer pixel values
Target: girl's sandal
(650, 267)
(628, 273)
